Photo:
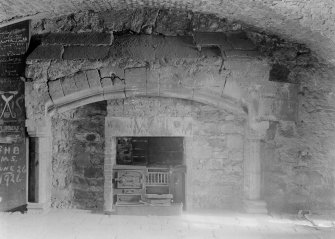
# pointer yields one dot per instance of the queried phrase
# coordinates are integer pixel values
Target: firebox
(149, 171)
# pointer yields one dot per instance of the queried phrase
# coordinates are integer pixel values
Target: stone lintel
(82, 39)
(207, 39)
(240, 41)
(226, 41)
(85, 52)
(50, 52)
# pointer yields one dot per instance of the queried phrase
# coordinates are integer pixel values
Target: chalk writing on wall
(11, 99)
(12, 170)
(14, 41)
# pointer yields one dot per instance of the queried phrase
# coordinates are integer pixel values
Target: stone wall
(310, 22)
(285, 85)
(298, 156)
(78, 158)
(164, 67)
(213, 147)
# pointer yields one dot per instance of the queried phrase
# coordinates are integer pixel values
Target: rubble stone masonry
(260, 79)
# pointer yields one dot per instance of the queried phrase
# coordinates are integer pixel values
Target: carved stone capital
(38, 127)
(256, 130)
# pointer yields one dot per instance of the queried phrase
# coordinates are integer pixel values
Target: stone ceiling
(311, 22)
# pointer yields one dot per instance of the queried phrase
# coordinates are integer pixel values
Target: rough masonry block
(81, 81)
(207, 39)
(240, 41)
(83, 39)
(279, 73)
(85, 52)
(55, 89)
(136, 77)
(241, 54)
(105, 82)
(112, 70)
(68, 85)
(51, 52)
(93, 78)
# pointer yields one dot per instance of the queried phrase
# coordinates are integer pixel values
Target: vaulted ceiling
(310, 22)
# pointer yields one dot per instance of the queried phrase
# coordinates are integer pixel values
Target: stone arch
(81, 98)
(42, 136)
(47, 96)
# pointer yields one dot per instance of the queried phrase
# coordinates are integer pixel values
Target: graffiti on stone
(150, 126)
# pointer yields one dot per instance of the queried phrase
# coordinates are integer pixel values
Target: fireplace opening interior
(149, 171)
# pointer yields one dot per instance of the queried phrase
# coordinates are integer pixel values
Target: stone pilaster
(110, 161)
(40, 139)
(252, 168)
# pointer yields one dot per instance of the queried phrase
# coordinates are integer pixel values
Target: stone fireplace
(164, 87)
(213, 157)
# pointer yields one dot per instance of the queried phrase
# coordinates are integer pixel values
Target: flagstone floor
(75, 224)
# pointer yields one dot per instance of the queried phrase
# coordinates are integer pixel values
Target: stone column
(40, 139)
(252, 169)
(189, 178)
(110, 161)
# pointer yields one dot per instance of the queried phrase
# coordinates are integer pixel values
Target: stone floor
(81, 224)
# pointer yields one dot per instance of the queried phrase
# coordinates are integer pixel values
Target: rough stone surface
(68, 85)
(184, 71)
(84, 39)
(297, 155)
(81, 82)
(211, 39)
(309, 22)
(135, 77)
(60, 69)
(38, 72)
(55, 89)
(215, 180)
(93, 78)
(240, 41)
(136, 20)
(85, 52)
(51, 52)
(78, 155)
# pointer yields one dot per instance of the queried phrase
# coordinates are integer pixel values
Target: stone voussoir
(68, 85)
(136, 77)
(93, 78)
(55, 89)
(81, 81)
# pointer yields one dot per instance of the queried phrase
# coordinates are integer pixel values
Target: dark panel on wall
(14, 41)
(12, 144)
(150, 151)
(165, 151)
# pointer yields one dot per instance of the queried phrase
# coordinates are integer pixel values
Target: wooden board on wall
(14, 41)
